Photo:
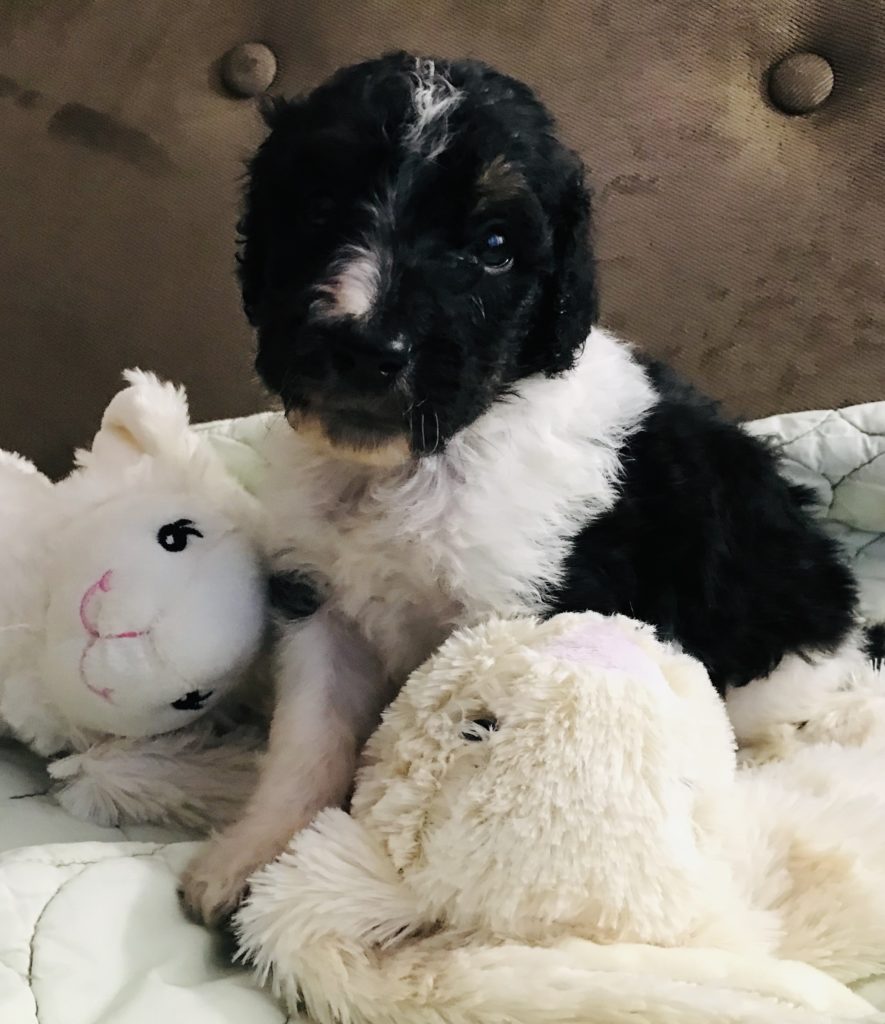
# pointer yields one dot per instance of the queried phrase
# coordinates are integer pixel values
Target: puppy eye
(495, 253)
(479, 729)
(318, 213)
(174, 536)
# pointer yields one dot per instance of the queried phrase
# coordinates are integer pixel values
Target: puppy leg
(330, 693)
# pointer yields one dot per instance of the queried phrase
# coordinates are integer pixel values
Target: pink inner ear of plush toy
(606, 646)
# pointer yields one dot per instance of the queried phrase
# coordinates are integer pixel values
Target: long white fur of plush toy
(551, 827)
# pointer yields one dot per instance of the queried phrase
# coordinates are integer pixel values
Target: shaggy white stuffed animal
(551, 827)
(132, 604)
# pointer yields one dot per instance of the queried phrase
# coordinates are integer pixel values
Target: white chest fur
(481, 528)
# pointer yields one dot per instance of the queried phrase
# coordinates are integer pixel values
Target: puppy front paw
(216, 880)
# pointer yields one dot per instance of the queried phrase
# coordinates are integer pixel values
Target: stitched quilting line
(834, 484)
(781, 443)
(814, 471)
(32, 945)
(857, 469)
(864, 557)
(879, 435)
(878, 539)
(88, 863)
(83, 864)
(839, 414)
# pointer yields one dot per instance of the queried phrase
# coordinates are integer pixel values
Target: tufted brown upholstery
(741, 239)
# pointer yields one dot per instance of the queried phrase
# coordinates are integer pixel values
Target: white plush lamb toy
(132, 604)
(551, 827)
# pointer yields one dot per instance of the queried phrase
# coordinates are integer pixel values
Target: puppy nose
(390, 359)
(368, 362)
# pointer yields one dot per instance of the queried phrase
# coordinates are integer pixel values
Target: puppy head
(415, 241)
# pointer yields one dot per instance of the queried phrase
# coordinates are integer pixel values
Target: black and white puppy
(416, 261)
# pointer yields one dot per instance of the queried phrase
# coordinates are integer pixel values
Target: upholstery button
(248, 69)
(800, 83)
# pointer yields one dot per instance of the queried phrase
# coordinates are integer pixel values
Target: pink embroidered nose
(103, 586)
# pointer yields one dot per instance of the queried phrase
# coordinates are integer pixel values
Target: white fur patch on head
(433, 98)
(353, 288)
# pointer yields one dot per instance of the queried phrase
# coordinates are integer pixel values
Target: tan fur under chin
(383, 456)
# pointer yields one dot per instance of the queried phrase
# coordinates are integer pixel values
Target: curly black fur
(713, 546)
(875, 643)
(707, 541)
(331, 157)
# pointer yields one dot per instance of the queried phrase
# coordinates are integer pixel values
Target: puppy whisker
(436, 443)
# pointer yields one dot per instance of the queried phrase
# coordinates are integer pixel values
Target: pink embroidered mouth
(105, 694)
(102, 586)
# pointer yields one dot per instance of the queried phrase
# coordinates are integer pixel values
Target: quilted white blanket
(840, 454)
(90, 931)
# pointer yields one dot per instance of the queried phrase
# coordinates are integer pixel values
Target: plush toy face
(553, 775)
(156, 606)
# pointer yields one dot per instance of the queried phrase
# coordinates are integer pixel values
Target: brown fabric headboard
(737, 152)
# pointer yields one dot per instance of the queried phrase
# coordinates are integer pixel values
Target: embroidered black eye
(479, 729)
(174, 536)
(193, 700)
(495, 253)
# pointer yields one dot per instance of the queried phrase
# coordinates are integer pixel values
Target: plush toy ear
(149, 417)
(148, 420)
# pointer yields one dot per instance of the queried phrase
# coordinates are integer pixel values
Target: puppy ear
(252, 241)
(272, 108)
(261, 204)
(569, 306)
